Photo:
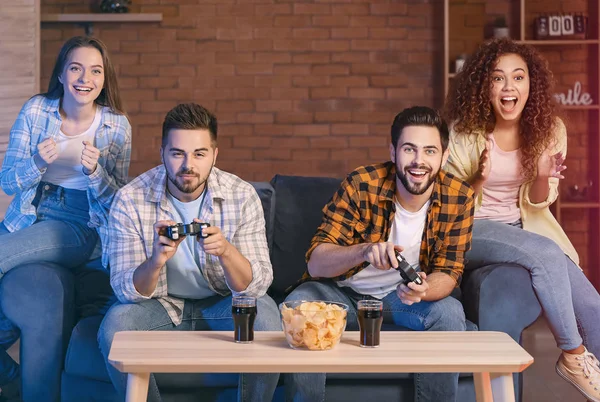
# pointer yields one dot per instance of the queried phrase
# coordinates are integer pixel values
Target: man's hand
(47, 153)
(215, 244)
(163, 248)
(413, 293)
(381, 255)
(89, 158)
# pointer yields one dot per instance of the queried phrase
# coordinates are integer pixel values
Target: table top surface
(216, 352)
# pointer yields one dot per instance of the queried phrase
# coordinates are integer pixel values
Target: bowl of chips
(313, 325)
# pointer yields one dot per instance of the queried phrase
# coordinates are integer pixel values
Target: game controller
(407, 272)
(174, 232)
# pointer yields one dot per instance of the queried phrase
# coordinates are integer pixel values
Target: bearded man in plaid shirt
(187, 284)
(408, 205)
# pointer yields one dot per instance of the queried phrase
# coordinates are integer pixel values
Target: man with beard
(410, 205)
(187, 284)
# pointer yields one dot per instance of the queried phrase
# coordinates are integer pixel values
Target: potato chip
(313, 325)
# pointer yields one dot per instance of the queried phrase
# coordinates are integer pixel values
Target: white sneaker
(581, 371)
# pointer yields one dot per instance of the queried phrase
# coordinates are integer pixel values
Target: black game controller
(407, 272)
(193, 229)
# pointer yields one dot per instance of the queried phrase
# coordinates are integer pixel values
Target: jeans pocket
(76, 203)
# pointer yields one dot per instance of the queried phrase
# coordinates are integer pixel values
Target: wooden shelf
(102, 17)
(559, 42)
(579, 204)
(87, 19)
(583, 107)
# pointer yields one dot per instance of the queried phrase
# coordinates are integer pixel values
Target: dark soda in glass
(369, 321)
(243, 323)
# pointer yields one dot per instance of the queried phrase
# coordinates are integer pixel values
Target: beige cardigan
(464, 161)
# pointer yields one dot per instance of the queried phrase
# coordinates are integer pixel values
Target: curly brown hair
(468, 105)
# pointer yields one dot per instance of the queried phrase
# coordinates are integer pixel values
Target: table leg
(137, 387)
(503, 387)
(483, 387)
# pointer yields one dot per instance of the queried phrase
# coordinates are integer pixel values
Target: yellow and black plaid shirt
(362, 211)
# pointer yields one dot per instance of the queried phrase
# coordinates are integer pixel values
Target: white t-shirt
(184, 269)
(407, 232)
(67, 171)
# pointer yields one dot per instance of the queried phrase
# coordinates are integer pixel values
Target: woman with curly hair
(508, 142)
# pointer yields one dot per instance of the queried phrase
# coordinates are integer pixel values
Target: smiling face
(510, 87)
(188, 156)
(83, 76)
(418, 158)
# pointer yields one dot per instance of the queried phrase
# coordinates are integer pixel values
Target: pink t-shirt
(501, 190)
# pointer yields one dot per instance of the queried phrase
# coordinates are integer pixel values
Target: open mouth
(417, 174)
(508, 103)
(82, 89)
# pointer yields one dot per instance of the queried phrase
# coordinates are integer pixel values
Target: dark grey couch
(61, 317)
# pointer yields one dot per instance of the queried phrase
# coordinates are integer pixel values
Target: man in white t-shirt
(187, 284)
(408, 205)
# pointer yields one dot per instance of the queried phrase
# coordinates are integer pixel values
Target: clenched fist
(47, 152)
(89, 158)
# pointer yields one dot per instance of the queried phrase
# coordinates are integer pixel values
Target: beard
(418, 188)
(187, 188)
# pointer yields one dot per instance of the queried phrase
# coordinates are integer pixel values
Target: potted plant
(500, 28)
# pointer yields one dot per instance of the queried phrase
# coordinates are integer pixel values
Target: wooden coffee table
(485, 354)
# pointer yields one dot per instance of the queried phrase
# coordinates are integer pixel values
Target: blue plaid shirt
(231, 204)
(39, 120)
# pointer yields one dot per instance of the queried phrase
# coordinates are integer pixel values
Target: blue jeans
(569, 301)
(443, 315)
(213, 313)
(60, 233)
(9, 333)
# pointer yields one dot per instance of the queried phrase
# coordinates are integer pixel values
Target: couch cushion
(75, 388)
(267, 197)
(298, 213)
(93, 293)
(85, 360)
(83, 356)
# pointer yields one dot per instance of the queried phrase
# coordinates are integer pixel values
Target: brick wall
(299, 87)
(310, 87)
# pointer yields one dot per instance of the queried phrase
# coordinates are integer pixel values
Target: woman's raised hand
(551, 165)
(89, 158)
(47, 152)
(485, 161)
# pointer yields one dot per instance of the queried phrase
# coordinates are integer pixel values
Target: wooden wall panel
(19, 63)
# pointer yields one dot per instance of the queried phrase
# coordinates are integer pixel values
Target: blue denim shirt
(39, 120)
